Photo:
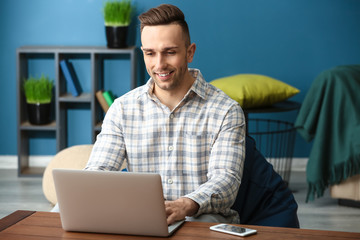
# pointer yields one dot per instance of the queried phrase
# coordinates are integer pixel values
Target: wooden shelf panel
(75, 49)
(31, 127)
(82, 98)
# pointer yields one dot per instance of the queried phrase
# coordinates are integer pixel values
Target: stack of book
(105, 98)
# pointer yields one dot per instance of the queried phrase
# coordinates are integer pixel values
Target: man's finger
(170, 219)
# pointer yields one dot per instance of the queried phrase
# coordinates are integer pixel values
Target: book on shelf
(100, 97)
(109, 97)
(71, 78)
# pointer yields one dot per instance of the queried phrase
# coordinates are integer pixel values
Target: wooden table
(23, 225)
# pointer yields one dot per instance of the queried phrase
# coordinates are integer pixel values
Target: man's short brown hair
(165, 14)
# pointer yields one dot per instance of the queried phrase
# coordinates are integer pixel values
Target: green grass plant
(117, 13)
(38, 90)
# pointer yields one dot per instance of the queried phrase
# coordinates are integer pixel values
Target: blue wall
(291, 40)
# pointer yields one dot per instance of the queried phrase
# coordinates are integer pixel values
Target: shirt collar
(199, 86)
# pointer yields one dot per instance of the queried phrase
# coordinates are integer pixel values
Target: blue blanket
(330, 116)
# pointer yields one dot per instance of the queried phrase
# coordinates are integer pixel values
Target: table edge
(13, 218)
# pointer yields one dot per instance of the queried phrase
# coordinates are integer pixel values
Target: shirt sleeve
(225, 168)
(109, 150)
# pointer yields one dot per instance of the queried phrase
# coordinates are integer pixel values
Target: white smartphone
(231, 229)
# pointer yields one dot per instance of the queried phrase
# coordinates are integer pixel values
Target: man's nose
(160, 62)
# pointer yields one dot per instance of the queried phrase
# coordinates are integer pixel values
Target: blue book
(71, 78)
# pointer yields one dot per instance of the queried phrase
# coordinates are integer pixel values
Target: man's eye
(171, 53)
(148, 53)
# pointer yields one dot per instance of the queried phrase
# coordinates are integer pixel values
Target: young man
(177, 125)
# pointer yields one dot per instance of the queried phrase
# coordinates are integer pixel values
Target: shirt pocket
(197, 145)
(199, 138)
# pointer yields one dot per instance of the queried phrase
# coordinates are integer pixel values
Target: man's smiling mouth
(164, 75)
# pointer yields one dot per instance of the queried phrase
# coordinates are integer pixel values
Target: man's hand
(177, 210)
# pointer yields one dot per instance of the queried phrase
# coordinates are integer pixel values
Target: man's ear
(191, 52)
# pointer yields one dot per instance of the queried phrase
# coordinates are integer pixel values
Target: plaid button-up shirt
(198, 148)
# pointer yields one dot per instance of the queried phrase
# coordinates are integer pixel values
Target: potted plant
(117, 17)
(38, 94)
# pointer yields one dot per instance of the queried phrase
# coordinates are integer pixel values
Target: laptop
(112, 202)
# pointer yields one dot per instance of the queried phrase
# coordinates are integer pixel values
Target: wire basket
(275, 139)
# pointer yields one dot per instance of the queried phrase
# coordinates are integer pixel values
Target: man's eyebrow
(163, 50)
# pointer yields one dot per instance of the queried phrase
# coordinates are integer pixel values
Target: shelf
(47, 127)
(75, 50)
(82, 98)
(92, 65)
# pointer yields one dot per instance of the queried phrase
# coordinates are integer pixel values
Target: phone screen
(232, 228)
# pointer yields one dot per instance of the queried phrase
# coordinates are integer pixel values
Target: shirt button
(170, 181)
(171, 148)
(172, 116)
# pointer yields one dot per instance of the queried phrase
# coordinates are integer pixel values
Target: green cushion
(253, 90)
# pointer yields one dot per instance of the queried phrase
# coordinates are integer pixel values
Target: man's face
(166, 56)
